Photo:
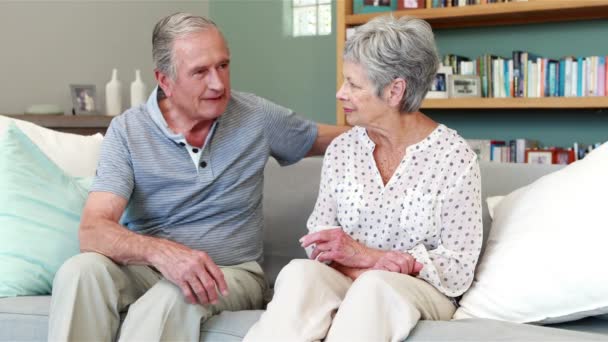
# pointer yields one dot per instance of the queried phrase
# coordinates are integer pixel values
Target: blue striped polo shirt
(214, 205)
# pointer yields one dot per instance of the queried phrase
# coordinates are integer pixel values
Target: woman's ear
(396, 92)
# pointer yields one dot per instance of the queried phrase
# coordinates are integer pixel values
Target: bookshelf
(510, 13)
(78, 124)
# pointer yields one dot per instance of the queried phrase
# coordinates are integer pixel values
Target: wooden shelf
(79, 124)
(508, 13)
(528, 12)
(519, 103)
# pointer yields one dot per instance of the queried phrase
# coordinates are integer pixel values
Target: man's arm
(325, 135)
(193, 271)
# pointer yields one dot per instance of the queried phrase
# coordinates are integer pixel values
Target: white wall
(47, 45)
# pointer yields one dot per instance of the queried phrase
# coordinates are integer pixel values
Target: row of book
(407, 4)
(527, 151)
(530, 75)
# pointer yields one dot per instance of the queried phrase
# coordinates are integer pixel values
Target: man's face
(201, 88)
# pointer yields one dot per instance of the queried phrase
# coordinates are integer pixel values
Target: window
(311, 17)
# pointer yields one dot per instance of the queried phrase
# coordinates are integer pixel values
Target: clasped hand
(334, 245)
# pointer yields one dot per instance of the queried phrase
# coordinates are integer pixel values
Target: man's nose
(214, 80)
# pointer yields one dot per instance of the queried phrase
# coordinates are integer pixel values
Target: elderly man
(172, 228)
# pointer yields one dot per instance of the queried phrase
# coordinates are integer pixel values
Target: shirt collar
(159, 119)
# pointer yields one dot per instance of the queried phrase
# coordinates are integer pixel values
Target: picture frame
(373, 6)
(439, 88)
(563, 156)
(84, 99)
(464, 86)
(536, 156)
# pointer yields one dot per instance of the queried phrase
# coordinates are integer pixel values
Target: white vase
(114, 95)
(138, 90)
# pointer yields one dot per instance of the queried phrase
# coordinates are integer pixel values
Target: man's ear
(396, 92)
(164, 82)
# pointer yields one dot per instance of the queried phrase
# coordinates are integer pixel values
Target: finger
(329, 256)
(218, 277)
(319, 249)
(417, 267)
(208, 287)
(188, 294)
(391, 266)
(318, 237)
(401, 260)
(200, 295)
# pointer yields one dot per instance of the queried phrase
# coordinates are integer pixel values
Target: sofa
(289, 196)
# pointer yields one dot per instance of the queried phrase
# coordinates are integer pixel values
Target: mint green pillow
(40, 208)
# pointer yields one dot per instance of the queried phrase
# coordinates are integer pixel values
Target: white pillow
(492, 203)
(545, 256)
(76, 154)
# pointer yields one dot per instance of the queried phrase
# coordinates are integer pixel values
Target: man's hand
(335, 245)
(394, 261)
(193, 271)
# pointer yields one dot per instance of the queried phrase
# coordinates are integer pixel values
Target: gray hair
(167, 30)
(389, 48)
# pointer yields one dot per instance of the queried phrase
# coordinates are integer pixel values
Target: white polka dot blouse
(430, 208)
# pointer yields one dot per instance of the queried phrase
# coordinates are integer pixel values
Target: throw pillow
(492, 203)
(76, 154)
(40, 208)
(544, 260)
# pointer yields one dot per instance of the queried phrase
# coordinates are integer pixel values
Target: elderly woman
(396, 230)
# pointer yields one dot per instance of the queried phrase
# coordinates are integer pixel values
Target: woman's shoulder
(458, 145)
(346, 139)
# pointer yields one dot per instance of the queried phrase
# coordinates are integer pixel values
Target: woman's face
(361, 105)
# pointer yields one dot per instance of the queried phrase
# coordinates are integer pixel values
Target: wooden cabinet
(509, 13)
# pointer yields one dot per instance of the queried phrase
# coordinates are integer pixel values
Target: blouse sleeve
(450, 267)
(324, 212)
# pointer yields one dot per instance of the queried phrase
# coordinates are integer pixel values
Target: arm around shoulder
(325, 135)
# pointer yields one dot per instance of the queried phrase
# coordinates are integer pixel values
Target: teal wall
(300, 72)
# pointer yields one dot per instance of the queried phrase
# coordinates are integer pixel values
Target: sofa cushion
(75, 154)
(546, 248)
(25, 319)
(40, 208)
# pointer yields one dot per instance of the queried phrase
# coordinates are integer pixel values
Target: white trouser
(90, 291)
(312, 301)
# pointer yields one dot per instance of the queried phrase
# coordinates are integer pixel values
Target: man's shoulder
(130, 117)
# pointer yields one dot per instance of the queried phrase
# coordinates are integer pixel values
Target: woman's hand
(394, 261)
(352, 273)
(334, 245)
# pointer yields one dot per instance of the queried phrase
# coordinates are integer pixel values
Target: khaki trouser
(313, 301)
(90, 291)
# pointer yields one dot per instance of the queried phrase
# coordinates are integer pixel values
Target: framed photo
(439, 88)
(371, 6)
(464, 86)
(561, 156)
(539, 156)
(84, 99)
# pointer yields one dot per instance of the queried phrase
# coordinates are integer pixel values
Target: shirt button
(195, 150)
(182, 144)
(203, 164)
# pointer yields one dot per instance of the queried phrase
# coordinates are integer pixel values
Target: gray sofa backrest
(290, 194)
